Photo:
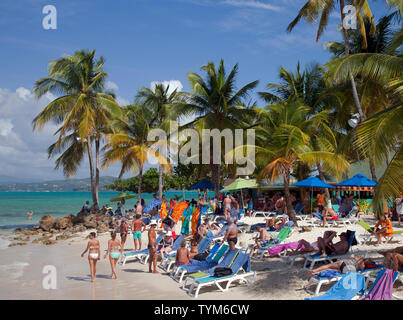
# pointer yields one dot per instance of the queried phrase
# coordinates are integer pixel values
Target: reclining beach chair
(349, 218)
(332, 276)
(299, 215)
(240, 268)
(175, 246)
(311, 260)
(211, 261)
(368, 236)
(317, 219)
(282, 235)
(133, 255)
(374, 276)
(265, 214)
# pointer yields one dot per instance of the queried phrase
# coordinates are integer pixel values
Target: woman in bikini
(114, 251)
(166, 244)
(94, 254)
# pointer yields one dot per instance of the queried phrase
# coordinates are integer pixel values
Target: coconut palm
(216, 104)
(82, 108)
(159, 100)
(288, 127)
(128, 143)
(313, 9)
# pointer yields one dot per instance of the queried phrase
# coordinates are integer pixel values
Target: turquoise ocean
(15, 205)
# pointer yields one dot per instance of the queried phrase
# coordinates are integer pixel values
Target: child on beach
(94, 254)
(138, 227)
(114, 251)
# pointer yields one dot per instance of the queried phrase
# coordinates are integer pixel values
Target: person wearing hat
(152, 242)
(166, 244)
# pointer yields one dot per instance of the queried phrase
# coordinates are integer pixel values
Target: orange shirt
(388, 225)
(321, 199)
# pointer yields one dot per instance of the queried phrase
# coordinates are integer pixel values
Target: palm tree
(288, 127)
(159, 101)
(129, 143)
(82, 108)
(216, 104)
(323, 8)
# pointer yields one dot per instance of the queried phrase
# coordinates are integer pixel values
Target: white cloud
(23, 93)
(122, 101)
(5, 127)
(252, 4)
(110, 85)
(173, 84)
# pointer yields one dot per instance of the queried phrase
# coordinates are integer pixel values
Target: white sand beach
(21, 272)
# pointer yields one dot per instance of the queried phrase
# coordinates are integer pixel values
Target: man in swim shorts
(232, 234)
(138, 226)
(261, 240)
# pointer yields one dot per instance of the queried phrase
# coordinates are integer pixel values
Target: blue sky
(143, 41)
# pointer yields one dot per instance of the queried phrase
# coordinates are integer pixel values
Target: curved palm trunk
(97, 146)
(372, 169)
(347, 49)
(290, 208)
(140, 183)
(160, 182)
(91, 160)
(322, 177)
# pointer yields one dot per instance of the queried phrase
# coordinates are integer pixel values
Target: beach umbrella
(240, 184)
(151, 205)
(122, 197)
(312, 182)
(359, 180)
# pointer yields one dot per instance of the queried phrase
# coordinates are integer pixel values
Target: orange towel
(163, 212)
(195, 219)
(178, 210)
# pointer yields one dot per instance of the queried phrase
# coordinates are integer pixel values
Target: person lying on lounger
(261, 240)
(214, 230)
(327, 247)
(395, 256)
(305, 247)
(342, 266)
(328, 214)
(272, 226)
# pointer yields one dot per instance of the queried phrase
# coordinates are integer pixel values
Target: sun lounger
(212, 260)
(317, 219)
(332, 276)
(240, 267)
(175, 246)
(265, 214)
(133, 255)
(311, 260)
(379, 289)
(368, 236)
(373, 276)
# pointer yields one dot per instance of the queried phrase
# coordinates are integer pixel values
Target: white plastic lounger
(265, 214)
(133, 255)
(240, 272)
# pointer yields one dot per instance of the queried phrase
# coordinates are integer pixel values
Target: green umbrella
(240, 184)
(123, 196)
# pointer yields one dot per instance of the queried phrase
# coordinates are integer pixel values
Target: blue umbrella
(203, 185)
(358, 180)
(152, 205)
(312, 182)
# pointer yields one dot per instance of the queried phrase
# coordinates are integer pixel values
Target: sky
(143, 42)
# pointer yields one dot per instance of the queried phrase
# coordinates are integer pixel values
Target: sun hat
(153, 222)
(169, 234)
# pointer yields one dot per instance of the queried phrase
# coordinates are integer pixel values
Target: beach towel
(382, 289)
(277, 249)
(346, 288)
(195, 219)
(163, 212)
(186, 220)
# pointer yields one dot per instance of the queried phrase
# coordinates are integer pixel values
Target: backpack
(201, 256)
(222, 272)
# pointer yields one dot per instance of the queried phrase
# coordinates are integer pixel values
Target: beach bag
(201, 256)
(222, 272)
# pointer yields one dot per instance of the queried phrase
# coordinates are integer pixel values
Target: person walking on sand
(114, 251)
(152, 241)
(94, 254)
(124, 228)
(227, 206)
(138, 227)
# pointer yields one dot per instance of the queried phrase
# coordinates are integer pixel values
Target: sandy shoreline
(21, 272)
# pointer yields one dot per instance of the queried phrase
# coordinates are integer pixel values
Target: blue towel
(346, 288)
(328, 274)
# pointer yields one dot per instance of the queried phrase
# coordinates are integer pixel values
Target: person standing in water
(114, 251)
(94, 254)
(29, 214)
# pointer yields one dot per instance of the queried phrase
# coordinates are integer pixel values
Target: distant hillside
(58, 185)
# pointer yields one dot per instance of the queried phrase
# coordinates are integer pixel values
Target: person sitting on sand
(342, 266)
(124, 228)
(94, 254)
(395, 256)
(182, 255)
(272, 226)
(232, 234)
(152, 241)
(114, 251)
(383, 229)
(261, 240)
(327, 247)
(138, 227)
(194, 244)
(166, 244)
